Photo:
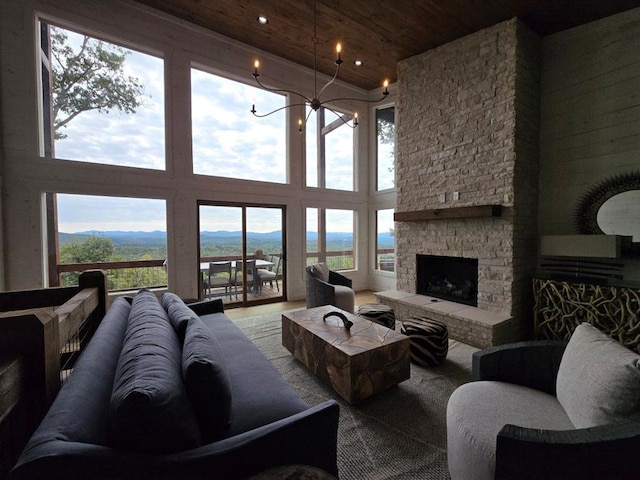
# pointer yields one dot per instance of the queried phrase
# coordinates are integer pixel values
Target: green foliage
(386, 132)
(91, 78)
(92, 249)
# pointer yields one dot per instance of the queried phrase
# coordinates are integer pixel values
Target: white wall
(27, 175)
(590, 116)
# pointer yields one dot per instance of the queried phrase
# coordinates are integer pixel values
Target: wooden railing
(148, 273)
(42, 332)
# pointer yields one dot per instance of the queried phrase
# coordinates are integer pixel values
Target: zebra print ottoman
(429, 340)
(379, 313)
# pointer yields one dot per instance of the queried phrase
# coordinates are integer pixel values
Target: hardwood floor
(362, 297)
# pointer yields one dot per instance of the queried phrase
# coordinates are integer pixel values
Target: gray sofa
(548, 410)
(247, 420)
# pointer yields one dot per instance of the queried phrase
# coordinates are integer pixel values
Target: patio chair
(272, 274)
(250, 267)
(219, 276)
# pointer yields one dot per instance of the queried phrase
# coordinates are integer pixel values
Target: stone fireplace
(467, 136)
(448, 278)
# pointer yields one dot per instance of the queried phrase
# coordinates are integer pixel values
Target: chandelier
(315, 103)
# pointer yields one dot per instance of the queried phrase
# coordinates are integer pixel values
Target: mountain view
(153, 245)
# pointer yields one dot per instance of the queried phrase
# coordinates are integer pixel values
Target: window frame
(322, 129)
(46, 136)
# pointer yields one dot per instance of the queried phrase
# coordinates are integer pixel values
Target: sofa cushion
(260, 394)
(598, 380)
(320, 271)
(206, 378)
(150, 410)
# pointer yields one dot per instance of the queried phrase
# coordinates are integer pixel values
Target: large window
(330, 150)
(385, 241)
(385, 147)
(330, 238)
(230, 142)
(126, 236)
(102, 103)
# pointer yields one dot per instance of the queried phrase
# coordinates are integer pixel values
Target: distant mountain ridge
(159, 238)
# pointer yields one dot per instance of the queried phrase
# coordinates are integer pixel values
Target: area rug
(397, 434)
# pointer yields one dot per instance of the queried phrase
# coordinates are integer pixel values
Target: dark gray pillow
(206, 378)
(321, 271)
(150, 410)
(179, 313)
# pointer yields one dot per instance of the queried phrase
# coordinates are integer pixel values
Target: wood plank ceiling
(376, 32)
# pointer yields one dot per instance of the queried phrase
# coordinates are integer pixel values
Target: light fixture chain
(315, 50)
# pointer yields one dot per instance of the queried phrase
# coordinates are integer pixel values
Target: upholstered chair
(326, 287)
(548, 409)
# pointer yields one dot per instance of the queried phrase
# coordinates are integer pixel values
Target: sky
(227, 141)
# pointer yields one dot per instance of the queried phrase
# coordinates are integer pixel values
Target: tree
(92, 249)
(89, 78)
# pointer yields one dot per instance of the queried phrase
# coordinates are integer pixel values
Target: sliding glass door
(241, 253)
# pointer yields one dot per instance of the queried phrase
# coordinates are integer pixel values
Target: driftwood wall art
(561, 306)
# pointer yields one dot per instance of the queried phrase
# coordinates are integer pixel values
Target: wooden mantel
(449, 213)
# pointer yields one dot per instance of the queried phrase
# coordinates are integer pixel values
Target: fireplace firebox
(448, 278)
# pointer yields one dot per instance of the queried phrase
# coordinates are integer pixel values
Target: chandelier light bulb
(314, 100)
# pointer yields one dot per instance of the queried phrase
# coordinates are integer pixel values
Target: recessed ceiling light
(357, 63)
(262, 20)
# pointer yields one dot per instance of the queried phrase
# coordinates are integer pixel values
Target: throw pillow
(598, 380)
(179, 313)
(321, 271)
(206, 378)
(150, 410)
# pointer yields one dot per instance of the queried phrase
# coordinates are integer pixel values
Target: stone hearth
(467, 324)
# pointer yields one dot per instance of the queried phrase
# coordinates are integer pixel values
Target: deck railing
(121, 275)
(134, 274)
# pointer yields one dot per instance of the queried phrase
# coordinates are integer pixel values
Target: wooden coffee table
(356, 363)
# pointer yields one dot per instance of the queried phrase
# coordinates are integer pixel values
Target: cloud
(227, 140)
(117, 138)
(259, 219)
(77, 213)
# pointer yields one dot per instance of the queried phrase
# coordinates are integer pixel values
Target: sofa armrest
(309, 437)
(336, 278)
(207, 307)
(531, 364)
(607, 451)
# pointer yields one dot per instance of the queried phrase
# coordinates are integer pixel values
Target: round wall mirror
(612, 207)
(615, 214)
